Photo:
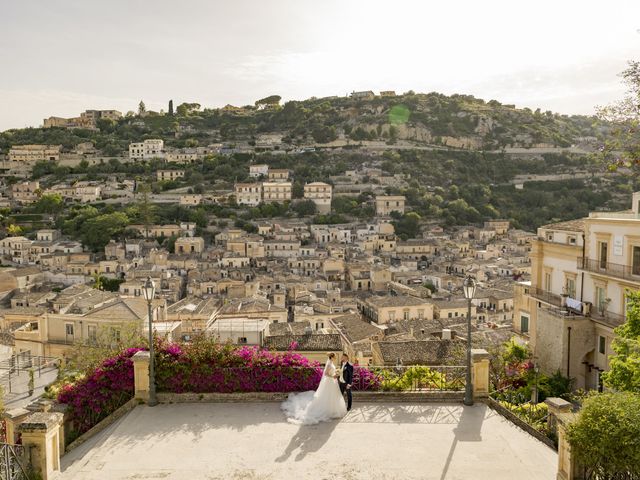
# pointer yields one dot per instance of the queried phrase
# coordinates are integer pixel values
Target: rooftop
(395, 301)
(314, 342)
(570, 225)
(253, 441)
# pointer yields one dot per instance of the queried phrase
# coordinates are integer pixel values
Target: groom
(345, 378)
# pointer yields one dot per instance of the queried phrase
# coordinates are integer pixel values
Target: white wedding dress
(309, 408)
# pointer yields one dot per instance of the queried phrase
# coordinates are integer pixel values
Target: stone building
(385, 204)
(320, 193)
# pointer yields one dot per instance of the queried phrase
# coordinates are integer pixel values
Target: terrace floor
(253, 441)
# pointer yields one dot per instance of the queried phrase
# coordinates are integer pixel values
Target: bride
(309, 408)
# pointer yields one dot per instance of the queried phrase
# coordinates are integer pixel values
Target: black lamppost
(149, 292)
(469, 287)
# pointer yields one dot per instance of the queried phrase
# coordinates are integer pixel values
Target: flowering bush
(364, 379)
(227, 370)
(203, 366)
(98, 395)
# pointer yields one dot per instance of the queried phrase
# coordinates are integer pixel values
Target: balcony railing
(626, 272)
(609, 318)
(545, 296)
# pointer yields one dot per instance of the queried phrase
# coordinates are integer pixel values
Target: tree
(97, 231)
(185, 109)
(145, 208)
(107, 342)
(606, 436)
(324, 134)
(105, 283)
(270, 100)
(14, 230)
(49, 203)
(297, 190)
(622, 148)
(170, 112)
(141, 108)
(407, 226)
(624, 367)
(304, 208)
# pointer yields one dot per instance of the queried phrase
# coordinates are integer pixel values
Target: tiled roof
(419, 352)
(395, 301)
(288, 328)
(453, 303)
(570, 225)
(329, 342)
(354, 328)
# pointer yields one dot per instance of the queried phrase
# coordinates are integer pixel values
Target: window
(524, 324)
(635, 268)
(115, 334)
(600, 299)
(549, 236)
(68, 327)
(392, 316)
(547, 281)
(571, 287)
(406, 314)
(420, 314)
(602, 252)
(450, 315)
(92, 333)
(571, 240)
(602, 344)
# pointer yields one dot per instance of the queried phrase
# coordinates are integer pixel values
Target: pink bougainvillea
(199, 367)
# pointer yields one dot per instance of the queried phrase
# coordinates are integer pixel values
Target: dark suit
(347, 376)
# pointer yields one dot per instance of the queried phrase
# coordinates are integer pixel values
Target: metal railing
(416, 378)
(609, 318)
(545, 296)
(523, 407)
(12, 459)
(14, 368)
(626, 272)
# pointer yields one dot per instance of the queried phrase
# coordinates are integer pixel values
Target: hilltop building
(320, 193)
(35, 153)
(385, 204)
(152, 148)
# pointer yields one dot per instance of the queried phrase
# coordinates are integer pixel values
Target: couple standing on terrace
(327, 402)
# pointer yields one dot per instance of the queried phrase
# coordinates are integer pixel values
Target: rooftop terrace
(253, 441)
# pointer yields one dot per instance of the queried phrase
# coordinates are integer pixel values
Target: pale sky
(60, 57)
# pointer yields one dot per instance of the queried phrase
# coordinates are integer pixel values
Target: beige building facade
(320, 193)
(385, 204)
(35, 153)
(276, 192)
(580, 273)
(248, 194)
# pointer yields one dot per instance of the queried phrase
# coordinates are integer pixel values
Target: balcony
(616, 270)
(610, 319)
(545, 296)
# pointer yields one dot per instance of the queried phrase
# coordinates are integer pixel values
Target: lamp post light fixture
(469, 287)
(149, 292)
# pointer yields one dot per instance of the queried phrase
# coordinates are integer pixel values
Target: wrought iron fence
(627, 272)
(524, 407)
(13, 369)
(595, 474)
(12, 461)
(418, 378)
(545, 296)
(415, 378)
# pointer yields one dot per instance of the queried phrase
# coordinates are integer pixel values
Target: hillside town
(354, 286)
(374, 283)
